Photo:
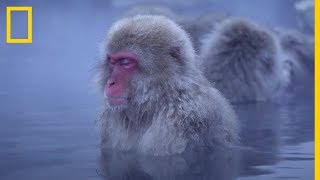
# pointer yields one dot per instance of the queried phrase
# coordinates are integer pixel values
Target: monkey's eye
(125, 62)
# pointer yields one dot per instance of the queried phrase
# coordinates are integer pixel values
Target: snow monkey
(157, 100)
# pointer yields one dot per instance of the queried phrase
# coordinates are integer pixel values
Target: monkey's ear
(176, 54)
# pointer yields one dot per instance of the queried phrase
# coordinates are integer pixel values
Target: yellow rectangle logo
(20, 40)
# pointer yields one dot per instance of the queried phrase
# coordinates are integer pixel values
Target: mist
(48, 102)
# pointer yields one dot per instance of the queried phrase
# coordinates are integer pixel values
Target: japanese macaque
(241, 60)
(157, 100)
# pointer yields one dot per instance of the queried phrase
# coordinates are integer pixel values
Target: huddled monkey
(241, 59)
(250, 63)
(157, 100)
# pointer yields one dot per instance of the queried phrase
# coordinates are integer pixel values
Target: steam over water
(48, 108)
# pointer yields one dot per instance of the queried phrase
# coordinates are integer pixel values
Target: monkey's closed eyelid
(125, 61)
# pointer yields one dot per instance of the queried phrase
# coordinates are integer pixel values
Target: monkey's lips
(116, 101)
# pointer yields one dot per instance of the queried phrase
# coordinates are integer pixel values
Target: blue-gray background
(48, 108)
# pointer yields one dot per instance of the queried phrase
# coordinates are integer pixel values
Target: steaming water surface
(48, 110)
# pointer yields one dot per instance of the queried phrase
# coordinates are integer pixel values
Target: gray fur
(297, 48)
(297, 58)
(171, 106)
(241, 60)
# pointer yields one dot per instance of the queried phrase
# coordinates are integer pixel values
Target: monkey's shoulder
(210, 119)
(208, 106)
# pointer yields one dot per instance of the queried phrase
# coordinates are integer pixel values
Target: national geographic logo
(12, 9)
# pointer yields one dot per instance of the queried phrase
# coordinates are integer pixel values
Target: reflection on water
(47, 113)
(214, 165)
(280, 138)
(296, 162)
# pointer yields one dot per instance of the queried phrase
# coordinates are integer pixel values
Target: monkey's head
(142, 53)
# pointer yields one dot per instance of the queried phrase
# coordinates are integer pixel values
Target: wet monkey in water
(157, 100)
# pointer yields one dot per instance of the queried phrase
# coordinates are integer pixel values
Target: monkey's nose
(110, 83)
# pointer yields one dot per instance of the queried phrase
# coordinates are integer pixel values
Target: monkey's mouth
(116, 101)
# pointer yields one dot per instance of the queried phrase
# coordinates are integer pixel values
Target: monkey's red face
(121, 67)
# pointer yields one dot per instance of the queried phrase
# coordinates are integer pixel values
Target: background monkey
(240, 58)
(250, 63)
